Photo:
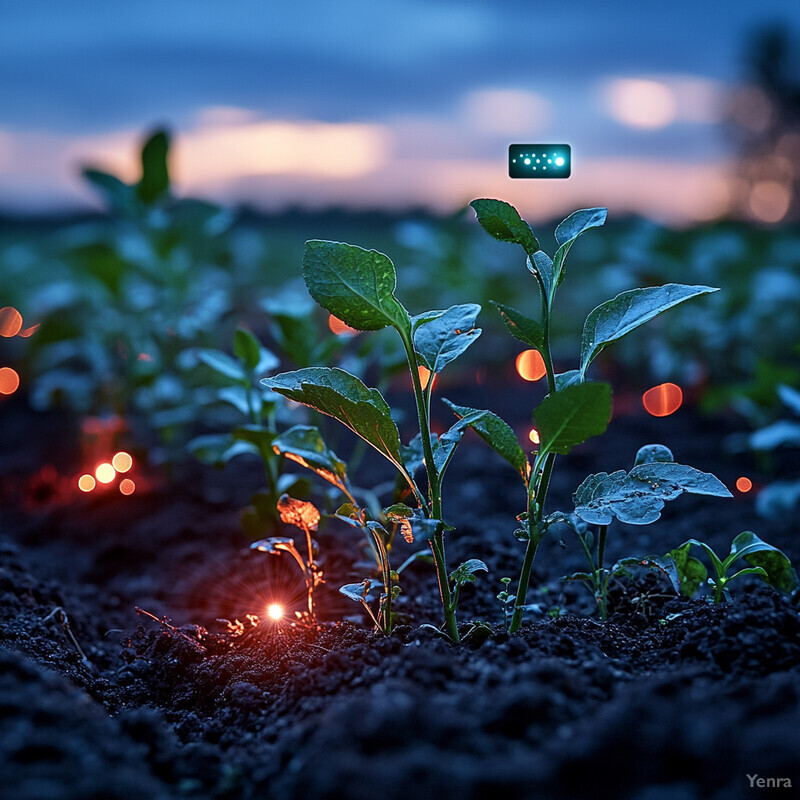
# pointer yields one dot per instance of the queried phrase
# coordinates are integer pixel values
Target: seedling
(574, 409)
(236, 384)
(636, 498)
(305, 516)
(357, 286)
(764, 560)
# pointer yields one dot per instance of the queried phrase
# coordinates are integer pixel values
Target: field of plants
(326, 506)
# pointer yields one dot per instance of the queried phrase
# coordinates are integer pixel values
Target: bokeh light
(9, 380)
(122, 461)
(640, 103)
(340, 328)
(534, 436)
(274, 611)
(105, 473)
(744, 484)
(769, 201)
(530, 365)
(86, 483)
(425, 376)
(127, 486)
(663, 400)
(10, 321)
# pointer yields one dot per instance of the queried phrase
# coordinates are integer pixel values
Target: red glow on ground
(9, 380)
(86, 483)
(530, 365)
(663, 400)
(340, 328)
(10, 321)
(744, 484)
(275, 611)
(105, 473)
(122, 461)
(127, 486)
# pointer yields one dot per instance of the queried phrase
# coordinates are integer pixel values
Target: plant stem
(434, 489)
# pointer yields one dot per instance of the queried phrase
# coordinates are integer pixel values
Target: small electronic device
(539, 160)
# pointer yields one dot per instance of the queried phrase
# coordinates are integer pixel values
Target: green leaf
(354, 284)
(238, 395)
(502, 221)
(692, 573)
(571, 416)
(442, 339)
(258, 435)
(497, 433)
(119, 195)
(414, 525)
(222, 364)
(155, 173)
(526, 330)
(465, 573)
(757, 553)
(218, 449)
(344, 397)
(304, 445)
(247, 348)
(627, 311)
(569, 230)
(638, 496)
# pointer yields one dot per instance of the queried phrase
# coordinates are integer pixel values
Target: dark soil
(670, 699)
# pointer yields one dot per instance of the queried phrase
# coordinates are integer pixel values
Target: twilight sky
(389, 104)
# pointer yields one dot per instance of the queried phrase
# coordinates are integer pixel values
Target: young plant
(763, 560)
(635, 497)
(305, 516)
(236, 384)
(574, 409)
(357, 286)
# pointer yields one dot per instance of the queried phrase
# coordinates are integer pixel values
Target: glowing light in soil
(274, 611)
(744, 484)
(127, 486)
(534, 436)
(530, 365)
(9, 380)
(105, 473)
(340, 328)
(10, 321)
(86, 483)
(663, 400)
(122, 462)
(425, 376)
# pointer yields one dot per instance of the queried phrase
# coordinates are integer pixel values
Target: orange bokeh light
(744, 484)
(663, 400)
(274, 611)
(127, 486)
(10, 321)
(534, 436)
(530, 365)
(28, 332)
(9, 380)
(340, 328)
(425, 376)
(105, 473)
(122, 461)
(86, 483)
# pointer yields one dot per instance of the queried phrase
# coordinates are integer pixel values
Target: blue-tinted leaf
(465, 573)
(222, 363)
(756, 552)
(246, 348)
(526, 330)
(569, 230)
(627, 311)
(304, 445)
(442, 339)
